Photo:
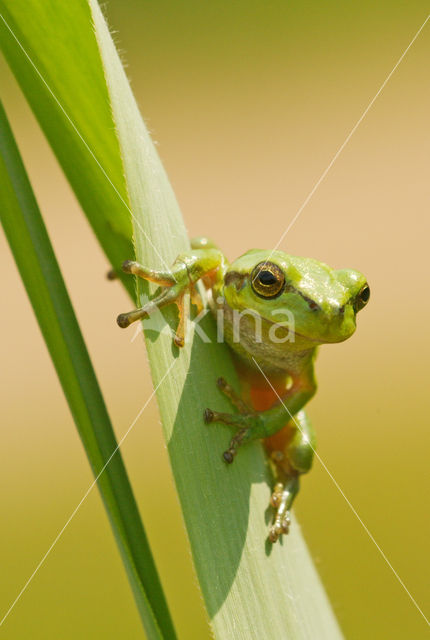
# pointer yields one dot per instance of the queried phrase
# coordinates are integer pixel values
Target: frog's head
(317, 303)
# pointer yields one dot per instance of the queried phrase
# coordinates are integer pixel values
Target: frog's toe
(237, 421)
(222, 384)
(282, 521)
(232, 419)
(234, 397)
(208, 416)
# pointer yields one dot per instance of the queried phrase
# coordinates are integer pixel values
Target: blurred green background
(248, 102)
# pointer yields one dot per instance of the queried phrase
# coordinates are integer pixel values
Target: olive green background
(248, 102)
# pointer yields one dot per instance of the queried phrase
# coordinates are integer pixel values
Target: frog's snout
(345, 323)
(335, 322)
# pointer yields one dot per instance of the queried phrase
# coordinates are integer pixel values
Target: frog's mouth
(292, 332)
(338, 336)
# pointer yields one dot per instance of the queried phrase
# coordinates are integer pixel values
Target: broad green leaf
(251, 590)
(42, 278)
(51, 48)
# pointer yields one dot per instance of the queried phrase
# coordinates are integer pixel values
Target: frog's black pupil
(365, 294)
(267, 278)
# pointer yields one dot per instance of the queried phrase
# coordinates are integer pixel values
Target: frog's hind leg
(291, 452)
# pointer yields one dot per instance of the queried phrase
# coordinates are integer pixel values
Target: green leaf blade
(41, 275)
(52, 51)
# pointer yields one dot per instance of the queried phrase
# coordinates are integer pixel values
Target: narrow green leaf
(251, 590)
(51, 48)
(42, 278)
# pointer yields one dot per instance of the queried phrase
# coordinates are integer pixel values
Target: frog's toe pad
(228, 456)
(280, 526)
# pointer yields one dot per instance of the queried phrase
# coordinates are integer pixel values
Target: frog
(276, 311)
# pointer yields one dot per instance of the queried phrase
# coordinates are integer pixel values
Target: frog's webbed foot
(205, 264)
(175, 284)
(282, 520)
(242, 421)
(281, 500)
(239, 421)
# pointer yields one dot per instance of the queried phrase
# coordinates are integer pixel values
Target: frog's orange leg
(196, 299)
(187, 269)
(291, 452)
(163, 278)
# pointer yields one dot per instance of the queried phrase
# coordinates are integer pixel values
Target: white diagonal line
(354, 511)
(76, 509)
(90, 151)
(348, 138)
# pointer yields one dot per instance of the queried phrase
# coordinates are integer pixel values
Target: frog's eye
(267, 280)
(362, 298)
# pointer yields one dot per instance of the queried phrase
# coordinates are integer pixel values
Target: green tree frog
(276, 310)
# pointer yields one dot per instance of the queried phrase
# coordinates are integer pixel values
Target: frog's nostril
(313, 306)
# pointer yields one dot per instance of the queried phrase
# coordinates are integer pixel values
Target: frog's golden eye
(362, 298)
(267, 280)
